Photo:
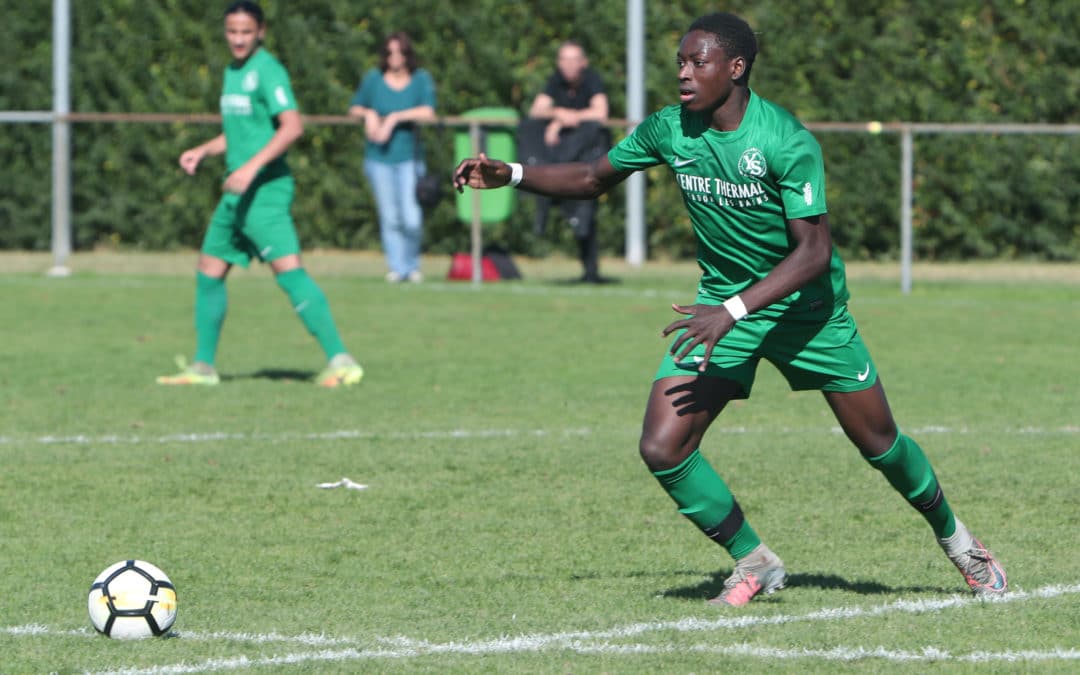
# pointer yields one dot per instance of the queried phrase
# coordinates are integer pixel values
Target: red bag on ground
(461, 268)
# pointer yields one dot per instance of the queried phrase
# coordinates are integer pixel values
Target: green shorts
(256, 224)
(826, 355)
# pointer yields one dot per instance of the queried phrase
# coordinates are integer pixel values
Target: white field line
(601, 642)
(469, 434)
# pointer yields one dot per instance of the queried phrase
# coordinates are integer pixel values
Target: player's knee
(659, 454)
(875, 442)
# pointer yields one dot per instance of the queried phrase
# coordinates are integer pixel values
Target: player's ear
(738, 68)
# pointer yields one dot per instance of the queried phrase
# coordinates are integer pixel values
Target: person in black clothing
(566, 123)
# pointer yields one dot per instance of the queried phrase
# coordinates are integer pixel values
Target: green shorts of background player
(772, 288)
(253, 218)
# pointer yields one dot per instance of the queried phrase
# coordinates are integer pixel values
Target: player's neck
(240, 63)
(729, 114)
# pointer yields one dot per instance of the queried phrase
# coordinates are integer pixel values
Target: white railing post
(61, 140)
(907, 181)
(635, 112)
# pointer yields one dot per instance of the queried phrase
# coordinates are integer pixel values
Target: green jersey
(740, 188)
(253, 94)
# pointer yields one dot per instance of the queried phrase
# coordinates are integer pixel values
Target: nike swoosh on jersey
(678, 162)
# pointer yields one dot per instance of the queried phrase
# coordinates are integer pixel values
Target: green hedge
(977, 196)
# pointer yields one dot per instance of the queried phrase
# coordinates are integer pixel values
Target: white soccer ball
(132, 600)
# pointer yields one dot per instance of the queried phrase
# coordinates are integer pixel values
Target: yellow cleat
(342, 371)
(196, 373)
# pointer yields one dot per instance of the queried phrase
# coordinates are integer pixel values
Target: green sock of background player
(211, 303)
(313, 309)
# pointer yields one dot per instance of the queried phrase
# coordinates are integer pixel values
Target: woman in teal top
(390, 99)
(260, 120)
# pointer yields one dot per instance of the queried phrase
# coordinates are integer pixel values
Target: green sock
(211, 303)
(704, 498)
(909, 472)
(311, 306)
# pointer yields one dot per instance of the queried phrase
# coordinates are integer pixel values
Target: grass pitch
(508, 524)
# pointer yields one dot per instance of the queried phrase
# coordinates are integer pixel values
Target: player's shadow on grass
(277, 374)
(715, 585)
(581, 281)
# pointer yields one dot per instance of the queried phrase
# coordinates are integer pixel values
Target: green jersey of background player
(772, 287)
(260, 120)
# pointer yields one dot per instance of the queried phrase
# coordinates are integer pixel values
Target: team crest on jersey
(752, 163)
(251, 81)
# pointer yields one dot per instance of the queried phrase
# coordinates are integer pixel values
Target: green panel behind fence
(498, 142)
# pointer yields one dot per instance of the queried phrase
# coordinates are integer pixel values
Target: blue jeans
(400, 216)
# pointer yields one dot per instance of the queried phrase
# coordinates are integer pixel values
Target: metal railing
(61, 240)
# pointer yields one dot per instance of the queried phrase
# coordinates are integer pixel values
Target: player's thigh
(734, 357)
(865, 417)
(223, 239)
(825, 356)
(683, 404)
(267, 223)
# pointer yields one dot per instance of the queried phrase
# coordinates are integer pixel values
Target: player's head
(571, 61)
(245, 28)
(714, 60)
(733, 35)
(248, 7)
(397, 52)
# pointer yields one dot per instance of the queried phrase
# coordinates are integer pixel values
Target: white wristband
(517, 172)
(734, 305)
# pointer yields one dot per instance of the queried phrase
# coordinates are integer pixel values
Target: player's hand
(189, 161)
(481, 173)
(240, 180)
(707, 324)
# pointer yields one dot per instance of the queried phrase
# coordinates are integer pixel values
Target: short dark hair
(247, 7)
(407, 50)
(733, 35)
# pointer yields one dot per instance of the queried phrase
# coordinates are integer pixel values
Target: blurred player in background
(773, 287)
(260, 121)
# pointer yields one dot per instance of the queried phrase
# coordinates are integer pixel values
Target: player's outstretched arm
(572, 180)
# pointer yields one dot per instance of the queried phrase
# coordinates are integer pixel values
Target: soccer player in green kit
(260, 120)
(772, 287)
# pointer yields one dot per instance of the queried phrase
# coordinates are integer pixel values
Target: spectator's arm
(596, 112)
(420, 113)
(543, 106)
